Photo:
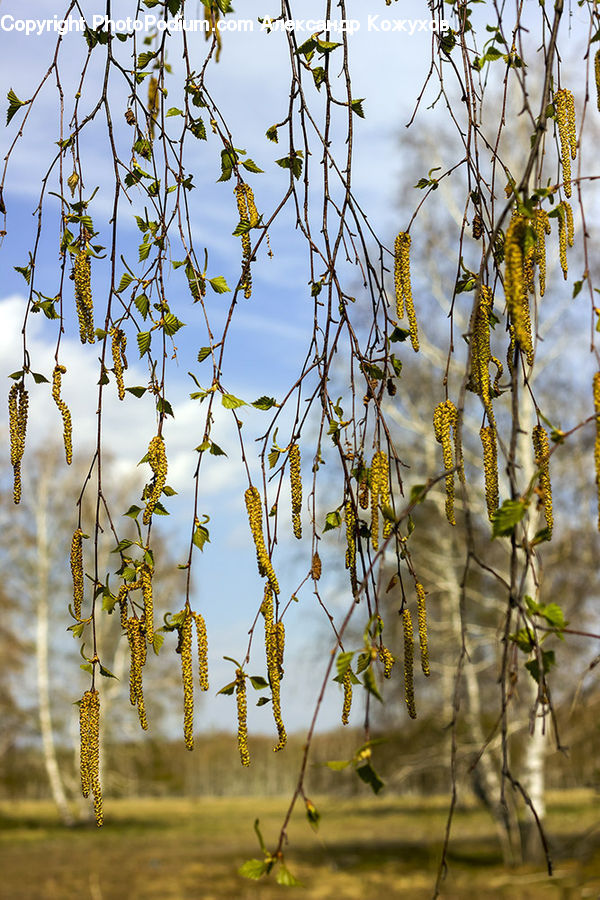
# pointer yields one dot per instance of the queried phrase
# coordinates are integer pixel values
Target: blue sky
(270, 333)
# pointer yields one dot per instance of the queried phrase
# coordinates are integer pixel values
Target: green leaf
(219, 285)
(368, 774)
(273, 457)
(251, 166)
(357, 107)
(174, 111)
(262, 701)
(553, 615)
(124, 544)
(332, 520)
(343, 662)
(215, 450)
(258, 682)
(524, 638)
(144, 251)
(326, 46)
(507, 517)
(337, 764)
(231, 402)
(285, 877)
(163, 406)
(203, 354)
(548, 661)
(142, 303)
(313, 815)
(125, 281)
(319, 76)
(198, 129)
(228, 689)
(272, 134)
(253, 868)
(201, 536)
(106, 673)
(136, 391)
(399, 334)
(143, 340)
(87, 667)
(157, 642)
(293, 162)
(371, 684)
(171, 324)
(39, 379)
(14, 105)
(265, 403)
(133, 512)
(78, 628)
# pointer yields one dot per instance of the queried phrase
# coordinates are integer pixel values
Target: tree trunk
(43, 568)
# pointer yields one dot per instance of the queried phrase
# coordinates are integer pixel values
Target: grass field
(174, 849)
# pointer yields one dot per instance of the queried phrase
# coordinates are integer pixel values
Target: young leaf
(143, 339)
(14, 105)
(253, 868)
(368, 774)
(231, 402)
(507, 517)
(219, 285)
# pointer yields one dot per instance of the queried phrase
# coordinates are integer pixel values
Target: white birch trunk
(42, 604)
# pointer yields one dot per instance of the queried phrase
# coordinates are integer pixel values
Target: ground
(180, 849)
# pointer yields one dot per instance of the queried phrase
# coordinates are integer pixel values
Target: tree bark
(45, 716)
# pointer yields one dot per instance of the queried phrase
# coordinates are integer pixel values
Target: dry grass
(175, 849)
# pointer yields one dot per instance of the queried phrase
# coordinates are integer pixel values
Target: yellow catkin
(251, 205)
(254, 508)
(242, 714)
(146, 579)
(528, 269)
(296, 489)
(274, 649)
(565, 117)
(57, 374)
(541, 449)
(597, 76)
(596, 388)
(409, 651)
(157, 459)
(18, 404)
(380, 495)
(566, 234)
(515, 286)
(187, 677)
(89, 727)
(77, 570)
(363, 490)
(350, 518)
(480, 345)
(444, 419)
(202, 651)
(542, 228)
(487, 435)
(477, 226)
(122, 601)
(118, 347)
(82, 273)
(316, 566)
(388, 661)
(242, 204)
(404, 298)
(422, 623)
(347, 704)
(137, 650)
(152, 103)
